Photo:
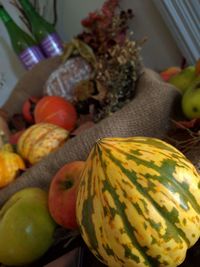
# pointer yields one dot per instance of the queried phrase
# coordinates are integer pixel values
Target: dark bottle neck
(20, 40)
(27, 5)
(29, 9)
(4, 15)
(11, 26)
(40, 27)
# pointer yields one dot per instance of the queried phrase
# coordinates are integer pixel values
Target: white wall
(159, 52)
(71, 12)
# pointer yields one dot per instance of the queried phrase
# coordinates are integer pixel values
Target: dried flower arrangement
(108, 45)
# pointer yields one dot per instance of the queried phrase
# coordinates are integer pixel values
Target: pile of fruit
(28, 219)
(134, 201)
(35, 135)
(187, 81)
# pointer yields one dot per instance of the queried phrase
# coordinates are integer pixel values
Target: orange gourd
(10, 165)
(56, 110)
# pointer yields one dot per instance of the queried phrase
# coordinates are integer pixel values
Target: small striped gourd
(39, 140)
(138, 203)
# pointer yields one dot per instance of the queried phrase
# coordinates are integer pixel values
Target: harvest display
(133, 200)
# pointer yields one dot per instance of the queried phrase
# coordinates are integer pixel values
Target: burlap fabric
(148, 114)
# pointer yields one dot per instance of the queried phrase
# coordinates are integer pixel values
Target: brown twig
(191, 133)
(187, 144)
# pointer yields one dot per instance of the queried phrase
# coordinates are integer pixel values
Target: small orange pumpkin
(10, 166)
(56, 110)
(39, 140)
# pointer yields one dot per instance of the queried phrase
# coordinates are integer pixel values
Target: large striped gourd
(138, 203)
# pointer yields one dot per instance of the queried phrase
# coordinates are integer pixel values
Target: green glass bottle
(23, 45)
(43, 31)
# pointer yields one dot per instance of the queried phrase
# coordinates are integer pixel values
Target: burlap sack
(148, 114)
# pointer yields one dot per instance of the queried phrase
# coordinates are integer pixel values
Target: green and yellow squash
(39, 140)
(138, 203)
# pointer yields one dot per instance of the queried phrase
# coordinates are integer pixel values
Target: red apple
(63, 193)
(28, 109)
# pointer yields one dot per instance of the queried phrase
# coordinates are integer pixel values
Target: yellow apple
(183, 80)
(26, 227)
(191, 100)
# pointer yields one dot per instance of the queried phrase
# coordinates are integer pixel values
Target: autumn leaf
(102, 92)
(85, 51)
(68, 51)
(83, 90)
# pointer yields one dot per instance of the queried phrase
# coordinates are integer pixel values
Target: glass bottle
(43, 31)
(24, 46)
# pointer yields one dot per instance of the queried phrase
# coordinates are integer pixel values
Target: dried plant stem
(190, 143)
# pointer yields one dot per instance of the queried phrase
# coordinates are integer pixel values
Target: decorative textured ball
(63, 80)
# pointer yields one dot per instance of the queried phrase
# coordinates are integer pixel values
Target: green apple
(191, 100)
(26, 227)
(183, 79)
